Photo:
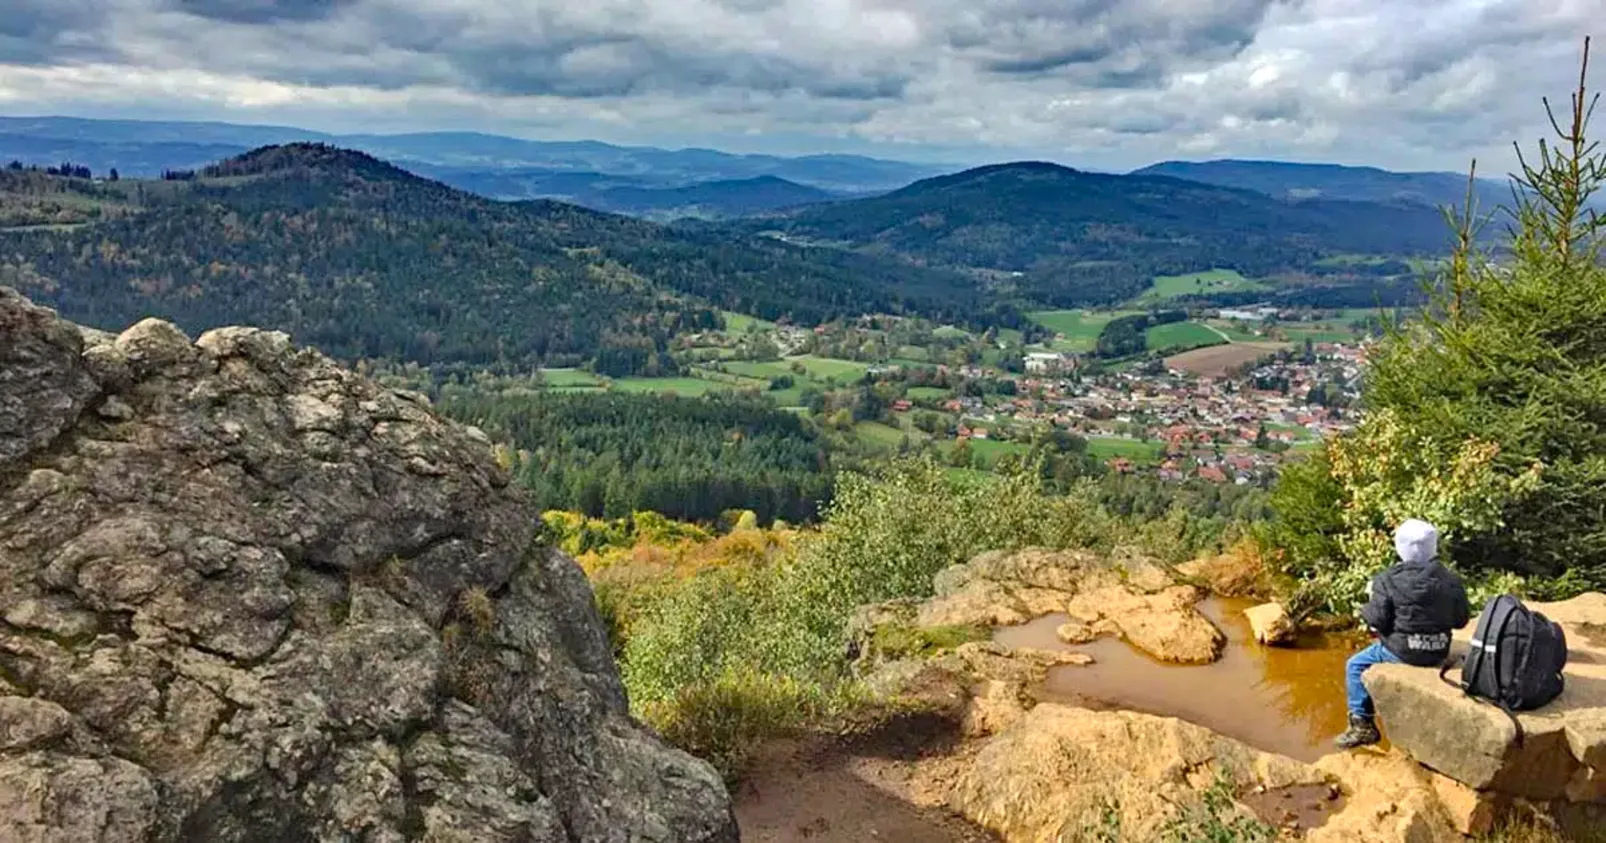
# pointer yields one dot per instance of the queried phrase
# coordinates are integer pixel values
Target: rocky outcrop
(1562, 754)
(1163, 624)
(248, 595)
(1065, 773)
(1390, 800)
(1128, 597)
(1271, 624)
(1061, 772)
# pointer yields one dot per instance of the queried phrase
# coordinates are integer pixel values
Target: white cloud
(1103, 83)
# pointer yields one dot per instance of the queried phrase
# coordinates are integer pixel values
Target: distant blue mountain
(1296, 181)
(139, 147)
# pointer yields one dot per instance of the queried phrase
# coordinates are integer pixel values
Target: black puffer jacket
(1414, 607)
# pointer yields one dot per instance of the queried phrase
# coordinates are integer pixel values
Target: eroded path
(887, 786)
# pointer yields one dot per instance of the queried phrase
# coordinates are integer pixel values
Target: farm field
(928, 393)
(991, 450)
(1217, 359)
(1235, 330)
(679, 386)
(741, 323)
(1080, 327)
(823, 368)
(1182, 336)
(569, 378)
(1198, 283)
(879, 435)
(1109, 447)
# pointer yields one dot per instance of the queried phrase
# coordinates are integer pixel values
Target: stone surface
(1471, 812)
(1228, 574)
(1390, 800)
(1563, 751)
(1271, 624)
(1165, 624)
(1129, 597)
(233, 604)
(1054, 773)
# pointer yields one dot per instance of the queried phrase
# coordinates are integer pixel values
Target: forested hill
(363, 259)
(1292, 180)
(1089, 237)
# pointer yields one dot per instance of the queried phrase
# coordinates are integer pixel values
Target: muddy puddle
(1284, 700)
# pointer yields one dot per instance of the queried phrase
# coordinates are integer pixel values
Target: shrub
(722, 720)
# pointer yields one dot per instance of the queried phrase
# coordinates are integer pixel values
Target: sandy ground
(888, 786)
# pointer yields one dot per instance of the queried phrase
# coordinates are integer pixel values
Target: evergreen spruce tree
(1497, 391)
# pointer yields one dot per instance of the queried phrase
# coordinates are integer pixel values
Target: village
(1165, 417)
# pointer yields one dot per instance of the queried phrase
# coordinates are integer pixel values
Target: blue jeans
(1360, 702)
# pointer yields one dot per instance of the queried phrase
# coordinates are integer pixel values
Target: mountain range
(368, 260)
(1061, 236)
(1295, 181)
(648, 181)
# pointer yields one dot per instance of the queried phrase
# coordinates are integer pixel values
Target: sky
(1102, 84)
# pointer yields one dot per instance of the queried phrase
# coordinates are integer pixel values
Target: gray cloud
(261, 11)
(1405, 83)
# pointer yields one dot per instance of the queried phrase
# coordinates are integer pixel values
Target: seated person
(1414, 605)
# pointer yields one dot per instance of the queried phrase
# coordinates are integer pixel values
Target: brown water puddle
(1284, 700)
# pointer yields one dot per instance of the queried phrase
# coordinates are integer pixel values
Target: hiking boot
(1362, 732)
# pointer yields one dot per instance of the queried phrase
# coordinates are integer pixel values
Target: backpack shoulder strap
(1483, 639)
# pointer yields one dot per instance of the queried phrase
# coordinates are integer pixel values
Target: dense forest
(611, 454)
(365, 260)
(1067, 238)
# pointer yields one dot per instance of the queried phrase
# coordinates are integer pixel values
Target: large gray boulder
(248, 595)
(1562, 754)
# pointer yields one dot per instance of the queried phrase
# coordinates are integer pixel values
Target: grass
(1179, 336)
(1109, 447)
(1198, 283)
(1080, 327)
(948, 332)
(741, 323)
(992, 450)
(913, 353)
(765, 371)
(902, 641)
(928, 393)
(569, 378)
(815, 368)
(1235, 330)
(822, 368)
(679, 386)
(878, 434)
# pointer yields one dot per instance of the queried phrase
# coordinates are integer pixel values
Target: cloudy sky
(1406, 84)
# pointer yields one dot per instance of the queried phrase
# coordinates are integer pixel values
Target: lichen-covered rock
(248, 595)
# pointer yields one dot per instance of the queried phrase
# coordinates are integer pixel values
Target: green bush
(769, 639)
(723, 719)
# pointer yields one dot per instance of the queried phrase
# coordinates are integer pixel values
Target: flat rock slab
(1562, 754)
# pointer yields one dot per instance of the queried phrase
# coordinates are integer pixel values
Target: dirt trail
(887, 786)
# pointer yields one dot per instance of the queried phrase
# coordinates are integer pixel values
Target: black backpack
(1516, 657)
